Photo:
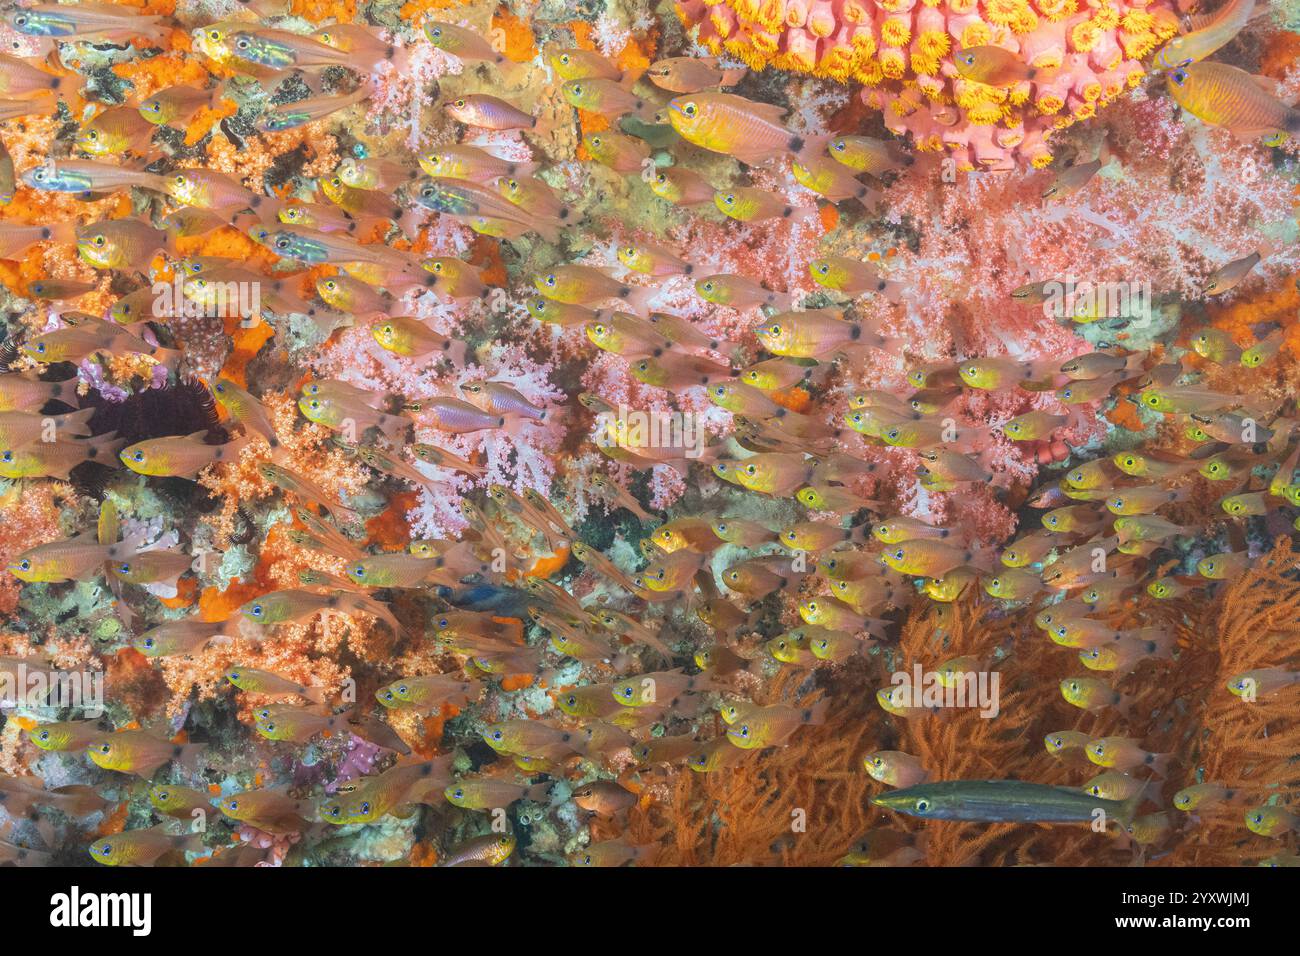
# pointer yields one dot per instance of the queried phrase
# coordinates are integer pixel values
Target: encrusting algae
(738, 433)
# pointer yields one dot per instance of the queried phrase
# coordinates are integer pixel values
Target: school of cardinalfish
(848, 565)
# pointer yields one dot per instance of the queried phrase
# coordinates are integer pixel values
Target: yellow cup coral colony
(1081, 54)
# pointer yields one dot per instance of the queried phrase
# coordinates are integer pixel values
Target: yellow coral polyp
(1056, 10)
(1049, 103)
(984, 114)
(1136, 46)
(902, 107)
(933, 44)
(765, 44)
(1084, 36)
(923, 65)
(771, 15)
(864, 46)
(1091, 92)
(1106, 17)
(721, 23)
(893, 64)
(962, 6)
(1048, 60)
(1137, 21)
(1041, 161)
(1085, 111)
(855, 12)
(1005, 12)
(868, 72)
(895, 32)
(976, 34)
(745, 53)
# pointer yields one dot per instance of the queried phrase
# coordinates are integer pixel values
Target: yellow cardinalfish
(56, 459)
(143, 847)
(1196, 45)
(726, 123)
(182, 456)
(609, 98)
(180, 801)
(411, 338)
(751, 204)
(851, 277)
(679, 186)
(572, 63)
(772, 726)
(461, 42)
(120, 243)
(688, 74)
(864, 154)
(140, 752)
(831, 180)
(992, 66)
(73, 559)
(1227, 96)
(620, 152)
(177, 105)
(65, 735)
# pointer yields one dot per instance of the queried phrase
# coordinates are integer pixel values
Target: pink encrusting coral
(1081, 56)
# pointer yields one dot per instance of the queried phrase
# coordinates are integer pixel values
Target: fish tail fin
(75, 424)
(733, 75)
(816, 714)
(539, 792)
(1129, 808)
(1160, 764)
(189, 755)
(639, 298)
(805, 147)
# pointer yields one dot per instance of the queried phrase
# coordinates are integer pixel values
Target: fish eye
(708, 287)
(576, 88)
(242, 43)
(105, 748)
(729, 199)
(564, 58)
(922, 805)
(214, 35)
(436, 32)
(24, 565)
(460, 104)
(256, 610)
(1179, 77)
(824, 268)
(689, 109)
